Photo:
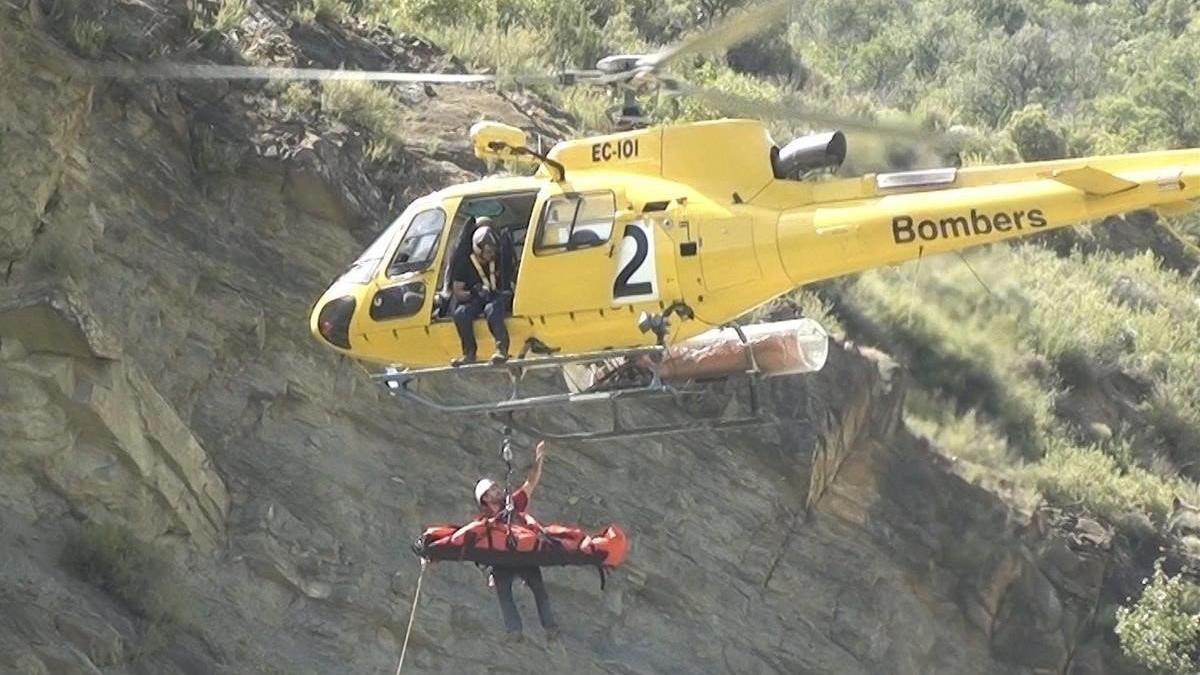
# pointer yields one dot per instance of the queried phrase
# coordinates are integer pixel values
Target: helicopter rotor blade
(728, 32)
(204, 71)
(791, 109)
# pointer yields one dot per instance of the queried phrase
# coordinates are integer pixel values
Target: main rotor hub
(619, 63)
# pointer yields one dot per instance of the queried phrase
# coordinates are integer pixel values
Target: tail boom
(830, 241)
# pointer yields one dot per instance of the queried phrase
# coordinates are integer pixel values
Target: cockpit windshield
(364, 267)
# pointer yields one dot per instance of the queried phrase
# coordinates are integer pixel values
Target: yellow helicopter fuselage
(697, 215)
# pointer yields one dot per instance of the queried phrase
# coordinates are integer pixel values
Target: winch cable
(506, 454)
(412, 615)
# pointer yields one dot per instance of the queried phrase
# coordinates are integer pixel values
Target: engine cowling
(814, 151)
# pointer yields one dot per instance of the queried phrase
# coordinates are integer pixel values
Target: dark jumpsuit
(504, 575)
(476, 274)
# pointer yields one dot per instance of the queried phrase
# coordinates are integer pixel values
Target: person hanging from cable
(490, 497)
(509, 542)
(481, 288)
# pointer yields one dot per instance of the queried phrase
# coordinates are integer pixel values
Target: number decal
(622, 287)
(635, 265)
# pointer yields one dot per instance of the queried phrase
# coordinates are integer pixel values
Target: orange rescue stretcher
(525, 542)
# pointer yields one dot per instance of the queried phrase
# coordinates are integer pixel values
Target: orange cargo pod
(779, 348)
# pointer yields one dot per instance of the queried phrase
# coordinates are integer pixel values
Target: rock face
(90, 427)
(155, 369)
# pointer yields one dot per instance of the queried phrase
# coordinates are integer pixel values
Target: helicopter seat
(584, 237)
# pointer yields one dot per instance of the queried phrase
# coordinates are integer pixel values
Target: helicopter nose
(333, 321)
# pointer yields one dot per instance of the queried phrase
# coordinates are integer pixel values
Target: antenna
(977, 278)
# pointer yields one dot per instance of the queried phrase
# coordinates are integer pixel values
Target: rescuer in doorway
(490, 498)
(480, 288)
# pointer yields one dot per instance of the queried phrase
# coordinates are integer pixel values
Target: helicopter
(624, 245)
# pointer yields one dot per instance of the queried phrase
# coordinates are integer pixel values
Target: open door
(511, 213)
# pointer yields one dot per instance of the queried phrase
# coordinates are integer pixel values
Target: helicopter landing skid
(608, 388)
(402, 382)
(618, 431)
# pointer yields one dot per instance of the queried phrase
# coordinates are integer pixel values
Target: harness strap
(488, 280)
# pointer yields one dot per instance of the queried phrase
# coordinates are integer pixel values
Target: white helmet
(482, 487)
(483, 234)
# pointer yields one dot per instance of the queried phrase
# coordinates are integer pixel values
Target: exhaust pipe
(815, 151)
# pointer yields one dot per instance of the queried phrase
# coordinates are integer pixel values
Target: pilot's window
(419, 244)
(365, 265)
(576, 221)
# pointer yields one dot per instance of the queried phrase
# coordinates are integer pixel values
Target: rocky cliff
(160, 246)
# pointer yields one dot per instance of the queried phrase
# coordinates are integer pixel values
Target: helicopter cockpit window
(576, 221)
(363, 268)
(419, 244)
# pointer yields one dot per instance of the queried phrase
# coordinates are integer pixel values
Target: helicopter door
(400, 304)
(570, 260)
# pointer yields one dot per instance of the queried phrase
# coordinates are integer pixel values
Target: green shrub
(135, 573)
(379, 150)
(960, 345)
(502, 50)
(1161, 629)
(589, 107)
(1036, 135)
(1124, 313)
(370, 107)
(362, 104)
(330, 10)
(88, 37)
(230, 15)
(298, 98)
(466, 13)
(575, 40)
(965, 437)
(324, 10)
(977, 350)
(1090, 478)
